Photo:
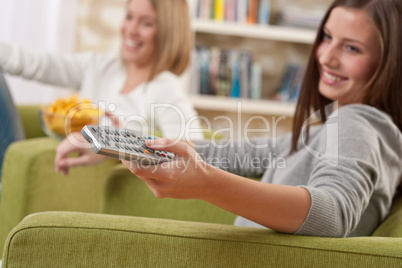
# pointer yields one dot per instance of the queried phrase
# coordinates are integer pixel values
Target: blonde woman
(140, 88)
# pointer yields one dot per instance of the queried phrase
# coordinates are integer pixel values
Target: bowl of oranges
(67, 115)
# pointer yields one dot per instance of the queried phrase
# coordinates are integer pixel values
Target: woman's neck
(135, 77)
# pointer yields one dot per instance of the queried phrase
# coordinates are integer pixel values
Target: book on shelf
(219, 10)
(256, 75)
(252, 11)
(296, 16)
(224, 72)
(245, 67)
(291, 83)
(240, 11)
(264, 11)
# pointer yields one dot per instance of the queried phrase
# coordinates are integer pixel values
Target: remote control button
(146, 151)
(142, 144)
(150, 150)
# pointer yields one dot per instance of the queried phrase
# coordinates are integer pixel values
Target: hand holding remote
(183, 178)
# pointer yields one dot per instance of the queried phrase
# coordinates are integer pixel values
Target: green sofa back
(392, 226)
(125, 194)
(30, 120)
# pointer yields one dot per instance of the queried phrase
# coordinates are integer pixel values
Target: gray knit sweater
(351, 167)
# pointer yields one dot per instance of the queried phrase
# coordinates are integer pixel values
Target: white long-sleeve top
(160, 104)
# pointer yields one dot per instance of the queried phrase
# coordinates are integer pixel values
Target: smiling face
(348, 55)
(138, 31)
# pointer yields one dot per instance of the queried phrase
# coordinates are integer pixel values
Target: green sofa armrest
(125, 194)
(67, 239)
(30, 184)
(30, 121)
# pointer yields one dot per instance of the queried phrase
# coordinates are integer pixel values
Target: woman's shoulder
(364, 124)
(166, 84)
(364, 116)
(166, 77)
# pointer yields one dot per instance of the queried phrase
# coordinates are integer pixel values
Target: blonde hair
(174, 39)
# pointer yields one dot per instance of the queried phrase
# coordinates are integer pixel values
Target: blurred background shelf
(246, 106)
(276, 44)
(257, 31)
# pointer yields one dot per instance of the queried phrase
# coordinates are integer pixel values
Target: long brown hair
(384, 90)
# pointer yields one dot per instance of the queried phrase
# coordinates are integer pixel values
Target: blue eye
(326, 36)
(352, 49)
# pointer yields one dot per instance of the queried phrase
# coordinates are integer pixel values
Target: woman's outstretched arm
(281, 208)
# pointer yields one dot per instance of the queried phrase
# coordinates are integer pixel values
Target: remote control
(124, 144)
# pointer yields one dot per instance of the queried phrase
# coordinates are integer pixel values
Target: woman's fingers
(163, 144)
(70, 145)
(115, 121)
(141, 170)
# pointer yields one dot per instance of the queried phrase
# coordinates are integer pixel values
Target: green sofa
(148, 232)
(30, 184)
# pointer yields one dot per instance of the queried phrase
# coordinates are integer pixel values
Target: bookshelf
(274, 46)
(231, 105)
(263, 32)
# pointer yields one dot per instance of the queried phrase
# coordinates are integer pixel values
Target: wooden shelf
(267, 32)
(225, 104)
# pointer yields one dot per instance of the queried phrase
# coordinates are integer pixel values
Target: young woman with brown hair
(339, 177)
